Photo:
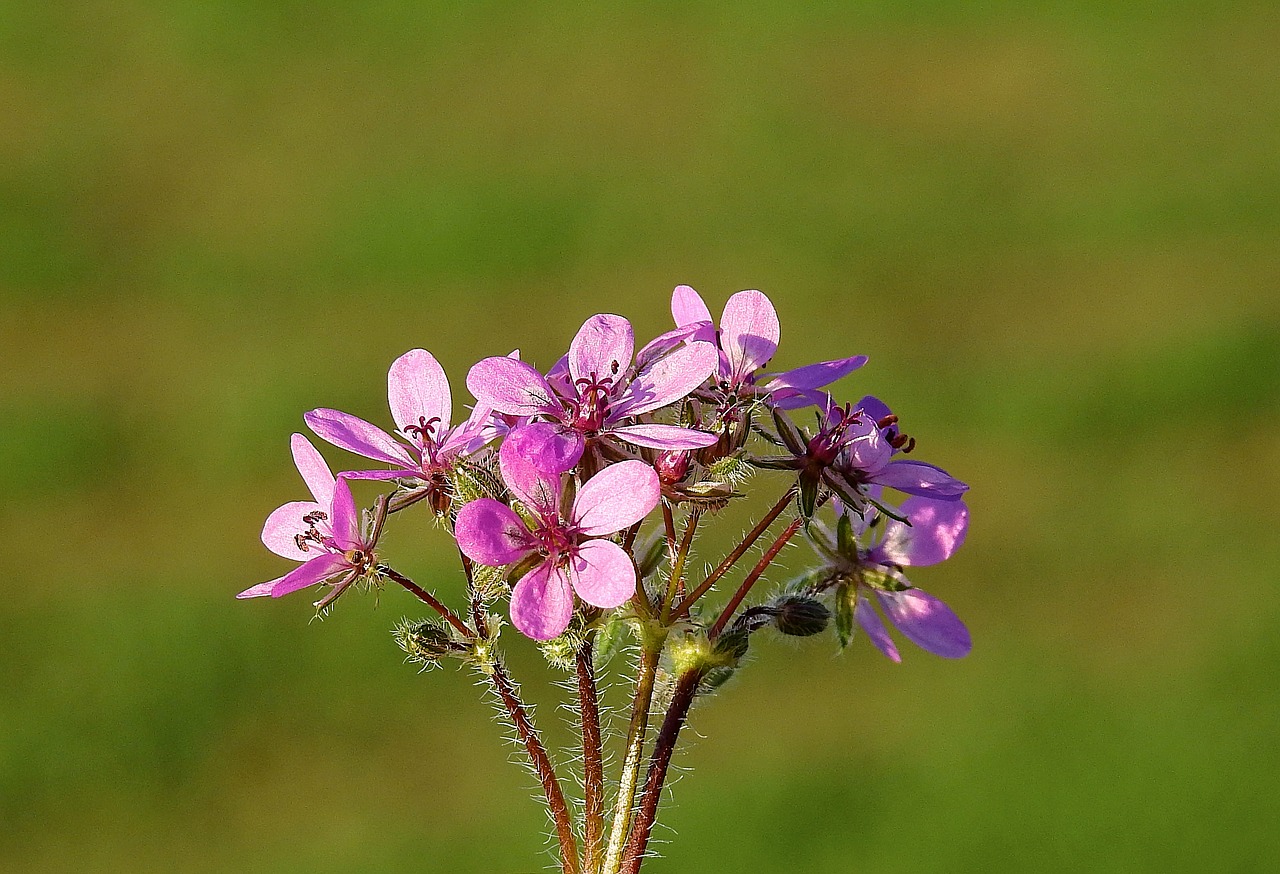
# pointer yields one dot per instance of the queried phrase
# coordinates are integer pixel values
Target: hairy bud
(800, 616)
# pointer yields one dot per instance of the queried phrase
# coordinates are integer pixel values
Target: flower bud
(800, 616)
(672, 466)
(426, 642)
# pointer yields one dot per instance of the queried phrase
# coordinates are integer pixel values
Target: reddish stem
(770, 554)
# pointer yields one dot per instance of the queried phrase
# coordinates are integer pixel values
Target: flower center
(592, 407)
(425, 435)
(312, 536)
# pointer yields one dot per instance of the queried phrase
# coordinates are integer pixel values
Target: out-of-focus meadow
(1055, 228)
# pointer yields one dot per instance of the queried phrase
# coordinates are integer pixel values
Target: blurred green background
(1054, 227)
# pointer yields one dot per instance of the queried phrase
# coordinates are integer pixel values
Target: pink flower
(601, 395)
(568, 556)
(747, 339)
(323, 534)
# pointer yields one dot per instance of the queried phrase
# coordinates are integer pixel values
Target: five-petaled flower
(324, 534)
(562, 544)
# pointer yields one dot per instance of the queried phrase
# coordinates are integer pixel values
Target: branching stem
(765, 560)
(427, 598)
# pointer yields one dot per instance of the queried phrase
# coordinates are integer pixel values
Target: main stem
(506, 690)
(631, 761)
(659, 762)
(592, 760)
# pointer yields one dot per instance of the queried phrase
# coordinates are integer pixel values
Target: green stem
(625, 803)
(677, 566)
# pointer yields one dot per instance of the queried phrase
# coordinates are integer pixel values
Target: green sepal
(791, 435)
(846, 600)
(808, 496)
(845, 539)
(608, 641)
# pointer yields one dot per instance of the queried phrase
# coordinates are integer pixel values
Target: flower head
(324, 534)
(562, 543)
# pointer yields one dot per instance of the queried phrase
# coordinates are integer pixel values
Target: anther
(888, 420)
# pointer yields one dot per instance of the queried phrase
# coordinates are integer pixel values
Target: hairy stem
(592, 760)
(677, 565)
(765, 560)
(659, 762)
(732, 558)
(631, 761)
(427, 598)
(528, 735)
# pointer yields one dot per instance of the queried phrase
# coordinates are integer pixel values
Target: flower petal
(874, 408)
(542, 602)
(602, 573)
(812, 376)
(749, 332)
(318, 569)
(283, 526)
(356, 435)
(315, 471)
(663, 436)
(603, 346)
(919, 478)
(615, 498)
(531, 459)
(490, 532)
(344, 518)
(418, 389)
(512, 387)
(687, 307)
(936, 531)
(927, 622)
(669, 379)
(869, 619)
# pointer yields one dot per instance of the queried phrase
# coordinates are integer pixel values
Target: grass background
(1054, 227)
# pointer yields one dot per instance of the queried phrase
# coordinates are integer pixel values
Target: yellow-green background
(1054, 227)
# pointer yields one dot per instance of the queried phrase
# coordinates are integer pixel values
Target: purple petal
(749, 332)
(615, 498)
(869, 619)
(687, 307)
(927, 622)
(875, 408)
(813, 376)
(418, 389)
(865, 449)
(315, 472)
(937, 530)
(553, 448)
(669, 379)
(490, 532)
(531, 460)
(283, 526)
(512, 387)
(602, 573)
(381, 474)
(356, 435)
(344, 518)
(785, 399)
(542, 602)
(603, 346)
(918, 478)
(318, 569)
(663, 436)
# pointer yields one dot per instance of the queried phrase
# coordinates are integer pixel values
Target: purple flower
(936, 531)
(562, 545)
(323, 534)
(747, 339)
(601, 396)
(418, 393)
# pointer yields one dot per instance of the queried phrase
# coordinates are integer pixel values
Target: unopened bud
(672, 466)
(800, 616)
(426, 642)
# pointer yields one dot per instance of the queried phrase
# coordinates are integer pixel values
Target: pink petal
(282, 527)
(356, 435)
(919, 478)
(615, 498)
(512, 387)
(663, 436)
(669, 379)
(531, 460)
(603, 346)
(687, 307)
(490, 532)
(664, 344)
(602, 573)
(749, 332)
(813, 376)
(344, 518)
(927, 622)
(418, 389)
(315, 472)
(542, 602)
(869, 619)
(937, 530)
(380, 474)
(314, 571)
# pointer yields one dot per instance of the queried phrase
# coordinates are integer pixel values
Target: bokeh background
(1054, 227)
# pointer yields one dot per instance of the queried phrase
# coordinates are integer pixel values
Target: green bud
(608, 641)
(426, 642)
(732, 644)
(800, 616)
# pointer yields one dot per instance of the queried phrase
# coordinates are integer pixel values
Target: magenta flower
(936, 531)
(421, 404)
(564, 547)
(602, 395)
(748, 337)
(323, 534)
